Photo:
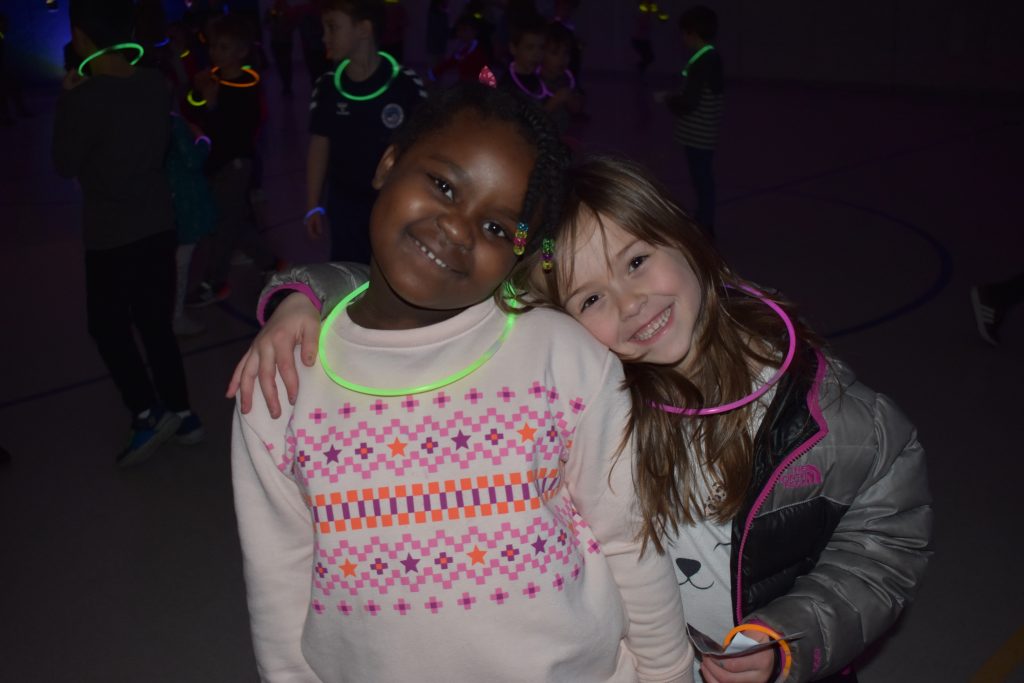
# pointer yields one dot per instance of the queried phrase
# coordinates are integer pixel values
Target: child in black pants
(111, 133)
(227, 103)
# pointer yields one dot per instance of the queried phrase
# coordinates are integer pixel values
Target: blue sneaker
(148, 433)
(190, 431)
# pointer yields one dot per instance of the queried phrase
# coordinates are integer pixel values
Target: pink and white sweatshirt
(483, 531)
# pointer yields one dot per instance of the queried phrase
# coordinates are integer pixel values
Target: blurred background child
(228, 106)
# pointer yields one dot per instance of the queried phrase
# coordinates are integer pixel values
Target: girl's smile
(430, 255)
(652, 330)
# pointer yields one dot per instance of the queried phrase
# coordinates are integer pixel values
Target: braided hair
(545, 192)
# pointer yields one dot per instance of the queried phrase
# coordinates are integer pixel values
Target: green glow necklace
(405, 391)
(696, 55)
(376, 93)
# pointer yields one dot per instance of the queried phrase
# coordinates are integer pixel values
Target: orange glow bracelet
(774, 635)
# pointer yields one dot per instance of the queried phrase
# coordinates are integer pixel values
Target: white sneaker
(186, 327)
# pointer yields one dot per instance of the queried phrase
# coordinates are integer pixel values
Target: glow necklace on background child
(696, 55)
(120, 46)
(753, 396)
(376, 93)
(404, 391)
(231, 84)
(515, 79)
(546, 92)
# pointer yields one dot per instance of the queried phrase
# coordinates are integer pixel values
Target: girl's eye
(636, 262)
(496, 229)
(588, 302)
(443, 187)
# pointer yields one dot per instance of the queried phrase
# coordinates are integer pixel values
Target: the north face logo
(801, 476)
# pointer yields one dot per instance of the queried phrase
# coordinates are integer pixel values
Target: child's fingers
(750, 669)
(314, 227)
(236, 377)
(268, 384)
(247, 382)
(289, 375)
(310, 338)
(708, 670)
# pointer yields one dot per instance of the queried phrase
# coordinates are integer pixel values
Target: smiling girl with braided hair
(450, 496)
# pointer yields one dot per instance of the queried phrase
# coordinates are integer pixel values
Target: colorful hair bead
(519, 241)
(487, 78)
(547, 254)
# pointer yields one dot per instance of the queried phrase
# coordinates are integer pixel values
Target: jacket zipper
(814, 404)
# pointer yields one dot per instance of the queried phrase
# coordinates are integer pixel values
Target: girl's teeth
(431, 256)
(653, 328)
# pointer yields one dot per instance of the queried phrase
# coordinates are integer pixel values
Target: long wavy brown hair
(735, 337)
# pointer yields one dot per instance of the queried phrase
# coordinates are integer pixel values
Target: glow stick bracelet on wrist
(201, 138)
(753, 396)
(312, 212)
(771, 633)
(191, 99)
(120, 46)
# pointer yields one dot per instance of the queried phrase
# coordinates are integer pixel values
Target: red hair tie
(487, 77)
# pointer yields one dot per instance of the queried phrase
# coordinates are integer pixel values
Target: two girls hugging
(544, 419)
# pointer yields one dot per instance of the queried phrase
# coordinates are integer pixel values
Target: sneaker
(986, 314)
(148, 433)
(190, 431)
(207, 294)
(185, 326)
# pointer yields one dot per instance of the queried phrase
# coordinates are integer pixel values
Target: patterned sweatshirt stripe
(406, 504)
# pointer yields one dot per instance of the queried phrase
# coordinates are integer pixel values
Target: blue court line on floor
(941, 281)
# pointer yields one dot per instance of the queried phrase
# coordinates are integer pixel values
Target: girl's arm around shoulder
(297, 296)
(276, 536)
(600, 482)
(877, 554)
(325, 284)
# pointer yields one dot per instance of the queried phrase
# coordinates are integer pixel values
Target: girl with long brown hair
(792, 499)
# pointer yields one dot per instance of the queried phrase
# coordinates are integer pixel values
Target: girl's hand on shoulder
(295, 322)
(755, 668)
